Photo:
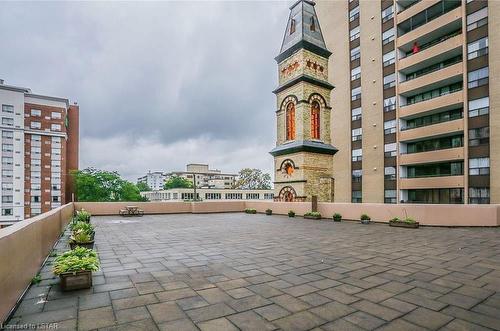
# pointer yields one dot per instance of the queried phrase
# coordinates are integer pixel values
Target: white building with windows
(182, 194)
(154, 180)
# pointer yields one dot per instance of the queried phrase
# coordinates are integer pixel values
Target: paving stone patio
(255, 272)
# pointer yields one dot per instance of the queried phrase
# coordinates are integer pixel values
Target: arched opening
(287, 194)
(315, 122)
(290, 121)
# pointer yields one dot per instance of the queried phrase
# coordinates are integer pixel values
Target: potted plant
(269, 211)
(365, 219)
(408, 222)
(75, 267)
(312, 215)
(82, 216)
(251, 211)
(81, 238)
(83, 226)
(337, 217)
(291, 213)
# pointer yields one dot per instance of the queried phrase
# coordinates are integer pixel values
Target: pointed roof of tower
(303, 31)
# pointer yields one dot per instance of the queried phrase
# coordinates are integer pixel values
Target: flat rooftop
(255, 272)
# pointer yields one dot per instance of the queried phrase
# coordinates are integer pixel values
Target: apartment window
(7, 212)
(435, 169)
(56, 140)
(354, 33)
(55, 127)
(356, 93)
(357, 154)
(252, 196)
(213, 196)
(389, 58)
(479, 195)
(478, 77)
(444, 195)
(356, 73)
(479, 107)
(56, 151)
(387, 14)
(355, 53)
(7, 186)
(56, 198)
(357, 134)
(7, 147)
(389, 104)
(390, 173)
(7, 108)
(8, 134)
(388, 36)
(479, 166)
(7, 121)
(389, 81)
(35, 137)
(36, 112)
(55, 115)
(445, 116)
(7, 198)
(36, 125)
(356, 197)
(427, 15)
(7, 160)
(36, 150)
(390, 127)
(390, 196)
(353, 14)
(7, 173)
(435, 144)
(234, 196)
(477, 19)
(434, 93)
(390, 150)
(268, 196)
(356, 114)
(35, 162)
(56, 187)
(357, 175)
(479, 136)
(477, 48)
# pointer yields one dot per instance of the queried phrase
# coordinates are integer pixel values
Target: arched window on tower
(315, 125)
(313, 24)
(290, 121)
(292, 26)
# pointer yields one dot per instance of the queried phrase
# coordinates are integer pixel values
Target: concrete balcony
(433, 80)
(415, 9)
(439, 26)
(434, 54)
(431, 182)
(434, 130)
(442, 155)
(444, 102)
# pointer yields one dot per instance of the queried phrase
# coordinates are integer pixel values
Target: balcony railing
(433, 43)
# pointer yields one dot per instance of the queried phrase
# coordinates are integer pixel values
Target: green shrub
(82, 216)
(365, 217)
(269, 211)
(82, 226)
(396, 219)
(410, 220)
(36, 280)
(81, 237)
(337, 217)
(313, 214)
(79, 259)
(251, 211)
(291, 213)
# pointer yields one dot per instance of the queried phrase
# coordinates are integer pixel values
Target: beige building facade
(413, 113)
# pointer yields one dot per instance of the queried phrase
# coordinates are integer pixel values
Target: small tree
(143, 187)
(177, 182)
(253, 179)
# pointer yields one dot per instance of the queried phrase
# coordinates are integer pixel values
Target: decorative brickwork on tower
(303, 155)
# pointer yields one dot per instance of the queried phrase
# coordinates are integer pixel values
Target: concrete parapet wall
(23, 248)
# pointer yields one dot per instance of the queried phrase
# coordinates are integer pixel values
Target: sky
(159, 84)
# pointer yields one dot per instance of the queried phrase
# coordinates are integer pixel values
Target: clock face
(287, 168)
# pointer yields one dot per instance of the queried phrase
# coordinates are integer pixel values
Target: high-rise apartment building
(416, 107)
(40, 137)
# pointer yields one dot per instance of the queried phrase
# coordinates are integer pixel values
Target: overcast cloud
(159, 84)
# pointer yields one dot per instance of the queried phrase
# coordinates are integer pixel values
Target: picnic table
(131, 211)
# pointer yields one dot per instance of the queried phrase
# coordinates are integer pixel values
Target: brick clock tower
(303, 156)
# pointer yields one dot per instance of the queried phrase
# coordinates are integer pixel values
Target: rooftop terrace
(232, 271)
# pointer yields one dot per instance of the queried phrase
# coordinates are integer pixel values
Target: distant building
(39, 149)
(180, 194)
(154, 180)
(206, 177)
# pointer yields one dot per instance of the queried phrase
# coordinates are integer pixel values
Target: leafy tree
(99, 186)
(143, 187)
(177, 182)
(253, 179)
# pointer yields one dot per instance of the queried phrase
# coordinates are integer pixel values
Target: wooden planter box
(365, 221)
(89, 245)
(309, 217)
(337, 220)
(404, 224)
(76, 280)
